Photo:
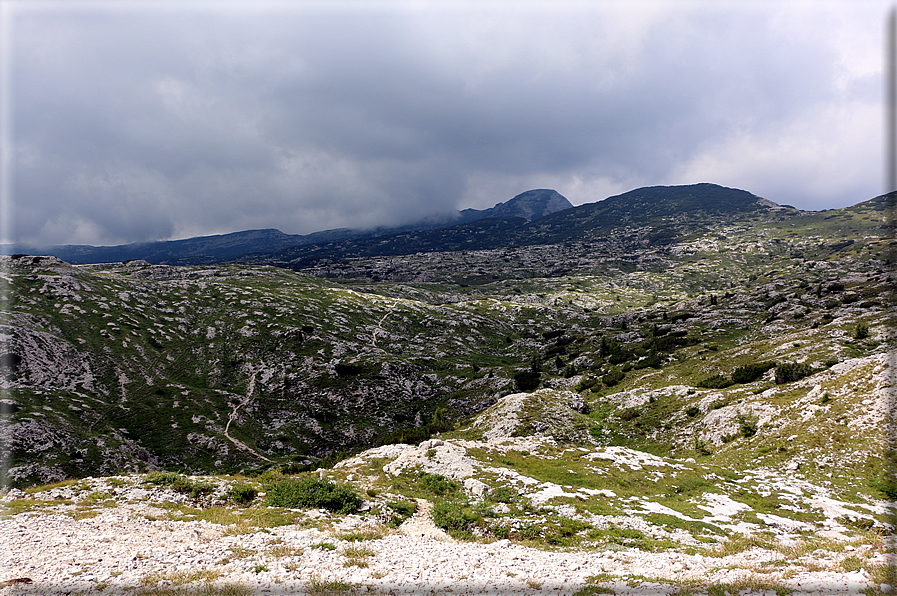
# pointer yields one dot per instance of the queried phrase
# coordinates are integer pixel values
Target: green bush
(715, 382)
(788, 372)
(242, 494)
(565, 532)
(313, 493)
(613, 377)
(692, 411)
(347, 370)
(527, 380)
(180, 483)
(529, 532)
(751, 372)
(585, 383)
(861, 331)
(400, 511)
(652, 360)
(436, 484)
(747, 425)
(165, 478)
(455, 517)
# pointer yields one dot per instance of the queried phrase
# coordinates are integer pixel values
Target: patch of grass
(359, 551)
(853, 563)
(740, 543)
(282, 550)
(334, 587)
(399, 511)
(180, 578)
(692, 527)
(502, 494)
(238, 552)
(180, 483)
(592, 590)
(750, 584)
(357, 556)
(630, 538)
(205, 590)
(369, 533)
(18, 506)
(47, 487)
(565, 532)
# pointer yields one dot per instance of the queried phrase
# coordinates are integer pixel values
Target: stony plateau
(697, 398)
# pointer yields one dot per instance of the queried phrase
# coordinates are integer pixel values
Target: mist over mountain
(656, 214)
(652, 215)
(529, 205)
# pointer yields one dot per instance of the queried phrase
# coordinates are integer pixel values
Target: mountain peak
(532, 204)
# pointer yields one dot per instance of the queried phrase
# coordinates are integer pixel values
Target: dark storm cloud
(153, 123)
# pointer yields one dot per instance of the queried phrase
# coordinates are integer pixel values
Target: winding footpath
(233, 415)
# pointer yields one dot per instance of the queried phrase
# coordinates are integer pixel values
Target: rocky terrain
(540, 516)
(689, 401)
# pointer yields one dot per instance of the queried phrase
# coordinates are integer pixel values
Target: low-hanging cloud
(141, 124)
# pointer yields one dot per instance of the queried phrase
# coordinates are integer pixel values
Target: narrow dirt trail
(420, 525)
(233, 416)
(379, 328)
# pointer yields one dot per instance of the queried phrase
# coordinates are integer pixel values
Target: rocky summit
(680, 390)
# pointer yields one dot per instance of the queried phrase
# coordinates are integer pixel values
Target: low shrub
(242, 494)
(613, 377)
(436, 484)
(502, 494)
(180, 483)
(747, 425)
(585, 383)
(348, 370)
(692, 411)
(789, 372)
(455, 517)
(716, 382)
(629, 414)
(751, 372)
(313, 493)
(399, 511)
(527, 380)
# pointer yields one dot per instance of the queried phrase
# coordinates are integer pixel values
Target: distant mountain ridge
(661, 214)
(539, 216)
(528, 205)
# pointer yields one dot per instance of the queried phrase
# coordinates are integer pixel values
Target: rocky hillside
(690, 402)
(127, 367)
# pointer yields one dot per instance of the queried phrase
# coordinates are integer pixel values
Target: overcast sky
(132, 121)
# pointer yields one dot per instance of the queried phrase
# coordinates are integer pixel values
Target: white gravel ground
(120, 550)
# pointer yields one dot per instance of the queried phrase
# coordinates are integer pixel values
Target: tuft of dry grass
(180, 578)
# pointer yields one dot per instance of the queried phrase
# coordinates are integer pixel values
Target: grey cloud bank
(144, 122)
